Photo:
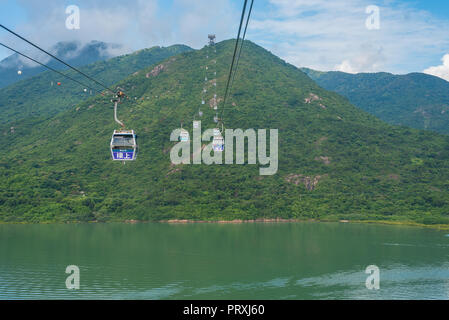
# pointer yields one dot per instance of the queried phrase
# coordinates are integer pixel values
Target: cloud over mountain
(135, 24)
(441, 71)
(332, 35)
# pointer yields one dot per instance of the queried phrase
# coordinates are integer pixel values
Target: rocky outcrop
(159, 68)
(310, 182)
(312, 97)
(155, 72)
(325, 160)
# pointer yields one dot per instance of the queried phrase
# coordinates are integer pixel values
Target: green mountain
(40, 97)
(415, 100)
(335, 160)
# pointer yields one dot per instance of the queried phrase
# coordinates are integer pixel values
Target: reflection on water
(213, 261)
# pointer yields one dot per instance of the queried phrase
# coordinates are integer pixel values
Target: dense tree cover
(416, 100)
(364, 169)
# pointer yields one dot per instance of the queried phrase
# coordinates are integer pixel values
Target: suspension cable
(50, 68)
(54, 57)
(241, 46)
(234, 55)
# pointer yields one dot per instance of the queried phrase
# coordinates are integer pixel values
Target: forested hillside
(29, 101)
(335, 160)
(415, 100)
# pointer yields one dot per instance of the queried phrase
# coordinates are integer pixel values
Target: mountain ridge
(40, 97)
(416, 100)
(335, 160)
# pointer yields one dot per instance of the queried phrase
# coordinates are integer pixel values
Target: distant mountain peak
(416, 100)
(73, 52)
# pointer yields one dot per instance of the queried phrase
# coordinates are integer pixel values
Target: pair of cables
(56, 58)
(236, 55)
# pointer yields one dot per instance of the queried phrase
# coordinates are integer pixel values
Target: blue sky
(321, 34)
(12, 13)
(439, 8)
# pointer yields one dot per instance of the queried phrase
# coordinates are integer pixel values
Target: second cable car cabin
(184, 135)
(218, 141)
(123, 145)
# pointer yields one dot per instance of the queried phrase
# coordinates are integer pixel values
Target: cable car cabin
(218, 141)
(184, 135)
(123, 145)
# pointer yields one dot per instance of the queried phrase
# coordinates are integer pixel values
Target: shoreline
(281, 220)
(259, 220)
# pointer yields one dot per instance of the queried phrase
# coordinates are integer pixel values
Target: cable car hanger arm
(115, 115)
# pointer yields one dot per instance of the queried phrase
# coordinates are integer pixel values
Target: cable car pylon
(218, 140)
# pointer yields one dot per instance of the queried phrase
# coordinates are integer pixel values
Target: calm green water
(213, 261)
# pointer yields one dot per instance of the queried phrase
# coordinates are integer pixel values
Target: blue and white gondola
(123, 145)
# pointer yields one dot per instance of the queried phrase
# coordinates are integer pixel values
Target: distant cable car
(196, 124)
(218, 141)
(123, 145)
(184, 135)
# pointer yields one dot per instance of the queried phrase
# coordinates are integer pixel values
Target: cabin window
(123, 141)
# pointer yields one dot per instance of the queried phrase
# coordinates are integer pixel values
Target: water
(222, 261)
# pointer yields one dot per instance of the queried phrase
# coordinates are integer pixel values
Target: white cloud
(320, 34)
(346, 66)
(136, 24)
(332, 35)
(441, 71)
(370, 60)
